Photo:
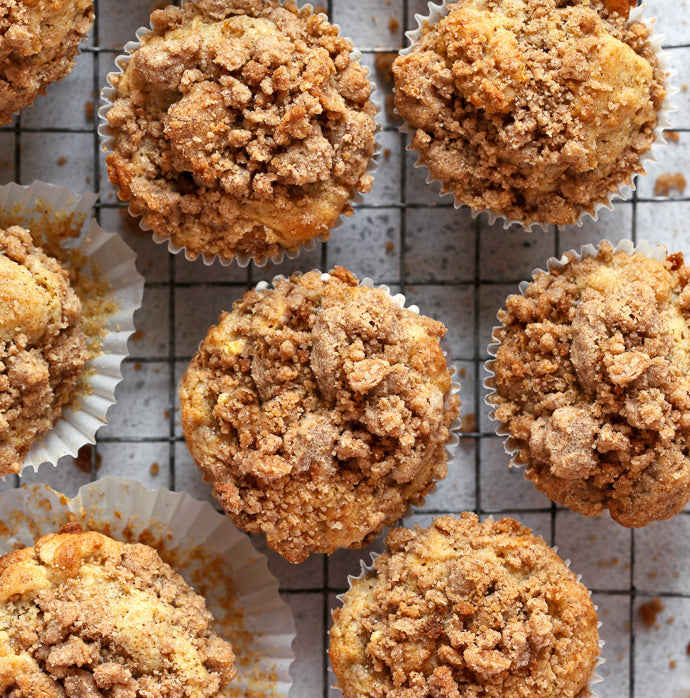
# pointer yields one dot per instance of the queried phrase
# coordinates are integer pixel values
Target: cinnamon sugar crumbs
(649, 612)
(154, 469)
(241, 129)
(672, 136)
(667, 182)
(469, 423)
(393, 25)
(511, 109)
(319, 410)
(89, 110)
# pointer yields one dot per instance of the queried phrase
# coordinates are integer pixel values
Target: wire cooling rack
(456, 269)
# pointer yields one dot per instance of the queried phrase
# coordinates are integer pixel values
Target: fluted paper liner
(109, 93)
(367, 571)
(28, 206)
(625, 189)
(216, 559)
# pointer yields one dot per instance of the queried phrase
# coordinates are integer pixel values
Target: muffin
(465, 609)
(42, 344)
(84, 615)
(38, 42)
(537, 110)
(592, 384)
(319, 410)
(240, 128)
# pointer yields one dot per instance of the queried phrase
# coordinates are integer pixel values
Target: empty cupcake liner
(658, 252)
(108, 95)
(367, 571)
(625, 190)
(111, 261)
(216, 559)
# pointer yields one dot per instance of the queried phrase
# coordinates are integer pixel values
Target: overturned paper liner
(108, 92)
(625, 189)
(367, 571)
(81, 418)
(658, 252)
(216, 559)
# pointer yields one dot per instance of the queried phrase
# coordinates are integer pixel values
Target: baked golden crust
(465, 609)
(241, 127)
(592, 382)
(42, 344)
(319, 410)
(38, 42)
(82, 615)
(535, 109)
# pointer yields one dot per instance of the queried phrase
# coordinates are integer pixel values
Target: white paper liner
(202, 545)
(108, 93)
(81, 419)
(625, 190)
(367, 571)
(658, 252)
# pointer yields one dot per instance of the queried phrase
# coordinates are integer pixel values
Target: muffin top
(465, 609)
(42, 344)
(241, 127)
(84, 615)
(592, 380)
(38, 42)
(319, 410)
(535, 109)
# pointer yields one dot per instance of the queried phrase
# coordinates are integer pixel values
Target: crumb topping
(319, 410)
(592, 382)
(82, 616)
(42, 344)
(38, 42)
(465, 609)
(535, 109)
(241, 127)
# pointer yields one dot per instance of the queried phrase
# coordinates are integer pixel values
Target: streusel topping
(465, 609)
(535, 109)
(42, 344)
(593, 384)
(241, 127)
(319, 410)
(82, 615)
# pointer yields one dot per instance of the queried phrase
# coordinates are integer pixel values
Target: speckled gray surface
(456, 269)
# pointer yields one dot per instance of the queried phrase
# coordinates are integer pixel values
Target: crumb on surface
(672, 136)
(84, 459)
(668, 182)
(649, 612)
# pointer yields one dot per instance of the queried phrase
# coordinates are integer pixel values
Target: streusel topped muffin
(84, 615)
(319, 410)
(465, 609)
(42, 344)
(534, 109)
(592, 381)
(38, 42)
(241, 128)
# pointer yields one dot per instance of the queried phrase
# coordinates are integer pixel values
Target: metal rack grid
(456, 269)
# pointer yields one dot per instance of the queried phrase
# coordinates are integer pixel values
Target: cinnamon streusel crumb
(465, 609)
(319, 410)
(82, 615)
(241, 127)
(42, 344)
(38, 42)
(592, 380)
(535, 109)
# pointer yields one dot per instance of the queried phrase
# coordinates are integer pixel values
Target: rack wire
(456, 269)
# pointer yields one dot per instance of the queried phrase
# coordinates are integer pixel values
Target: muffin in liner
(217, 560)
(669, 485)
(368, 572)
(110, 289)
(624, 189)
(296, 548)
(108, 96)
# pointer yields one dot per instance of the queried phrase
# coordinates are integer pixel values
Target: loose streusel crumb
(42, 344)
(592, 381)
(465, 609)
(82, 615)
(38, 42)
(241, 127)
(535, 109)
(319, 410)
(667, 182)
